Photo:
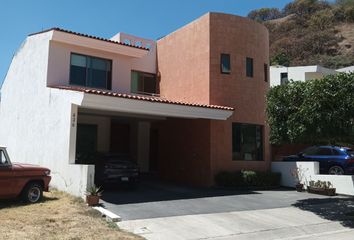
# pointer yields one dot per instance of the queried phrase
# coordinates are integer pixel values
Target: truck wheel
(32, 193)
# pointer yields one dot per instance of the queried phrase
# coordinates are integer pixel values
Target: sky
(150, 19)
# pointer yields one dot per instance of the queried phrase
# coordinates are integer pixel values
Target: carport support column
(73, 129)
(143, 146)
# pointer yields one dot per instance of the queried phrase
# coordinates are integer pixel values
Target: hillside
(310, 32)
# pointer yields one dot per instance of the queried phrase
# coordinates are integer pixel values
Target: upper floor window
(225, 63)
(266, 72)
(284, 78)
(143, 83)
(249, 67)
(90, 71)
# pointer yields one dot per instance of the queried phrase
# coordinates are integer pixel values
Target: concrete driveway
(159, 211)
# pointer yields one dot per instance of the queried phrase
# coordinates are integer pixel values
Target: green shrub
(247, 179)
(229, 179)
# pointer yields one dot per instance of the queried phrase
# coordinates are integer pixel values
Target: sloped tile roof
(139, 97)
(89, 36)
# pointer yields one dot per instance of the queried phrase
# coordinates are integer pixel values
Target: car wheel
(336, 170)
(32, 193)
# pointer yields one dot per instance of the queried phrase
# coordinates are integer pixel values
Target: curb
(110, 217)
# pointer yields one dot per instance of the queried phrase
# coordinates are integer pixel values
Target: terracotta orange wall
(183, 62)
(189, 64)
(241, 38)
(184, 151)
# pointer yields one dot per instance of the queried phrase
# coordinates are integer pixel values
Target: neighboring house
(185, 107)
(281, 75)
(346, 69)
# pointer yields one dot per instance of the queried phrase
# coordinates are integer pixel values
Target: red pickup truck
(22, 180)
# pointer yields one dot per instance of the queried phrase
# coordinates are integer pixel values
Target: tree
(280, 59)
(304, 8)
(265, 14)
(316, 111)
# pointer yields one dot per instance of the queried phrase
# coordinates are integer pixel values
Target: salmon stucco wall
(189, 69)
(183, 62)
(241, 38)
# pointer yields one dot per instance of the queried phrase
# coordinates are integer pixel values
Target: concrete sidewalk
(279, 223)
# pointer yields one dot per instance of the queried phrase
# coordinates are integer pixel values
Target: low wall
(343, 184)
(280, 151)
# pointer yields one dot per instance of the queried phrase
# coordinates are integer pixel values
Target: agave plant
(94, 191)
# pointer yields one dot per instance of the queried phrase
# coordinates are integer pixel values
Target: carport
(150, 129)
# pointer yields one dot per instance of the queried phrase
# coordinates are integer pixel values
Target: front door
(86, 143)
(120, 137)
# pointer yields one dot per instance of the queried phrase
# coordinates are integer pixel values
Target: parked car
(22, 180)
(116, 170)
(332, 159)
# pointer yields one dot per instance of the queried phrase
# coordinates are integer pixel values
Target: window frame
(266, 72)
(222, 71)
(145, 73)
(249, 72)
(281, 78)
(7, 163)
(108, 78)
(261, 148)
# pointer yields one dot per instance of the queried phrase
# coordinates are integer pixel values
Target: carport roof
(141, 98)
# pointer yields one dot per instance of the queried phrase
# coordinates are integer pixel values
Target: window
(337, 152)
(90, 71)
(266, 72)
(324, 152)
(3, 159)
(284, 78)
(144, 83)
(247, 142)
(318, 151)
(249, 67)
(310, 151)
(225, 63)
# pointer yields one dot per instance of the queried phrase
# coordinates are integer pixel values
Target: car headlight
(47, 172)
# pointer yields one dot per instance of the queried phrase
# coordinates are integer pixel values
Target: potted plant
(298, 175)
(321, 187)
(93, 195)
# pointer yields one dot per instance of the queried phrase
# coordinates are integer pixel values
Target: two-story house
(184, 107)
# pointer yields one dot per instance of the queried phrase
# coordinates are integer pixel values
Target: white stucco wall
(346, 69)
(59, 64)
(36, 121)
(343, 184)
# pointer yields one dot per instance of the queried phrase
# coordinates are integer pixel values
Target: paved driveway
(154, 199)
(159, 211)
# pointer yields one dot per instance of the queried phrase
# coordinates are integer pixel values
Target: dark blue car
(332, 159)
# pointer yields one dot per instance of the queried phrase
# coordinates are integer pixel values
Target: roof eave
(96, 44)
(125, 105)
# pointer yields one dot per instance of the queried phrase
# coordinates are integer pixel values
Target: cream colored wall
(313, 75)
(59, 65)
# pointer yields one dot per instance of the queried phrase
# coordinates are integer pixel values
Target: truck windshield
(3, 159)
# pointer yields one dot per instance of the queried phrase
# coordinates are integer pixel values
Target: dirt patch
(59, 216)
